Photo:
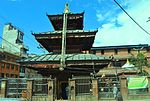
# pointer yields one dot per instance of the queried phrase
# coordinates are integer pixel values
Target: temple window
(116, 51)
(129, 50)
(102, 52)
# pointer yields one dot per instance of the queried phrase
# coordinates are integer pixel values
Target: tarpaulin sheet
(137, 82)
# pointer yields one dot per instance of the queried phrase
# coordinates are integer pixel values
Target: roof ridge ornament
(66, 11)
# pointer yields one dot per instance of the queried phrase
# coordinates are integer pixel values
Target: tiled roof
(115, 70)
(121, 47)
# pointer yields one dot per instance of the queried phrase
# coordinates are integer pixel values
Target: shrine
(69, 47)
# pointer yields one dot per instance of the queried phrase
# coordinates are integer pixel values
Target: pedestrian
(67, 92)
(115, 91)
(119, 97)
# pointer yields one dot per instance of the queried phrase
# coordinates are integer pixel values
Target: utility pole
(63, 50)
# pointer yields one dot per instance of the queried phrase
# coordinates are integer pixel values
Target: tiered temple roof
(75, 21)
(77, 40)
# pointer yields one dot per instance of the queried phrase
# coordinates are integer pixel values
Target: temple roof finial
(66, 8)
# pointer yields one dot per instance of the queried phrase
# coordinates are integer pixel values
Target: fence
(81, 89)
(83, 86)
(15, 87)
(105, 86)
(40, 87)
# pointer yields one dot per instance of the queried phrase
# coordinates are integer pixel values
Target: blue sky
(114, 26)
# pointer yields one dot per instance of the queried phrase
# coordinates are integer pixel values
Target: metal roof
(69, 57)
(120, 47)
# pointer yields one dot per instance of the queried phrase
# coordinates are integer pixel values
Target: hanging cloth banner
(137, 82)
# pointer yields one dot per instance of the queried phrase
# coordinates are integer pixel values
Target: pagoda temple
(69, 48)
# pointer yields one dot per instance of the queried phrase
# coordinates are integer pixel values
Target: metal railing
(83, 85)
(105, 87)
(15, 87)
(40, 87)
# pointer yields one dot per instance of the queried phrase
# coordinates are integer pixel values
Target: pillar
(148, 83)
(29, 89)
(3, 88)
(95, 89)
(123, 87)
(72, 90)
(50, 89)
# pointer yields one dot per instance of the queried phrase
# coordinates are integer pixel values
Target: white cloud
(100, 17)
(128, 33)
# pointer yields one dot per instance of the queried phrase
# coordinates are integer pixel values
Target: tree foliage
(140, 61)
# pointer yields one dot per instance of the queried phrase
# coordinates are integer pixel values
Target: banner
(137, 82)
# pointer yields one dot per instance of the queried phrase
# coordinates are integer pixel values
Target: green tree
(140, 61)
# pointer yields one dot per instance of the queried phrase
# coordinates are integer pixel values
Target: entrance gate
(44, 89)
(82, 88)
(105, 86)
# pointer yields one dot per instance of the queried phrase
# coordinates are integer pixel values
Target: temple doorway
(62, 85)
(64, 90)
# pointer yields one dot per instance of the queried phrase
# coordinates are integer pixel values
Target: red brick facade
(8, 66)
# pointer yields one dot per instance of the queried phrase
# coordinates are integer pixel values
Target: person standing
(115, 91)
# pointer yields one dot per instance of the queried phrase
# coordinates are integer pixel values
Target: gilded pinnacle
(66, 8)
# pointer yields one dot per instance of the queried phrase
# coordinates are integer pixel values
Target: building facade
(13, 40)
(12, 49)
(9, 68)
(123, 52)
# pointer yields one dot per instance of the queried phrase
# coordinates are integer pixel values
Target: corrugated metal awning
(68, 57)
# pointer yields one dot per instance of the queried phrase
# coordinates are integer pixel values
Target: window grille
(83, 86)
(40, 87)
(15, 87)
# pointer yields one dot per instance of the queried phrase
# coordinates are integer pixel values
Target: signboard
(137, 82)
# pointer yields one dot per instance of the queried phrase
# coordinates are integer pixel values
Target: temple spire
(66, 11)
(63, 48)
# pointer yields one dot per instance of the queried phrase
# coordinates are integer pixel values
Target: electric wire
(8, 42)
(131, 18)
